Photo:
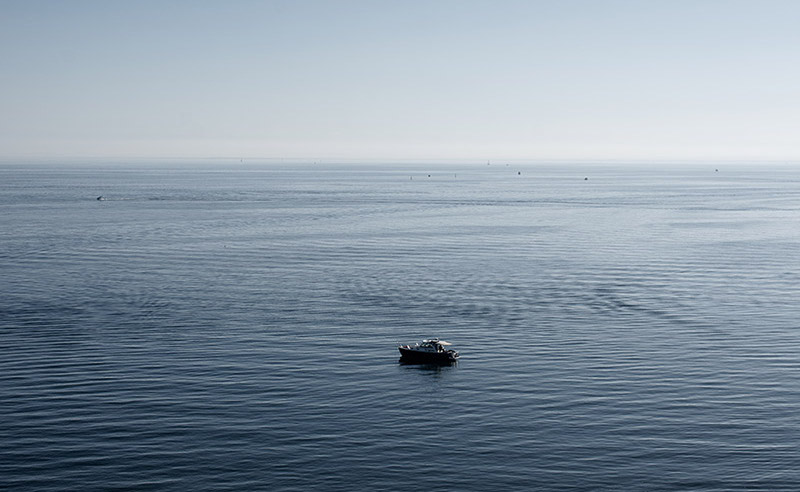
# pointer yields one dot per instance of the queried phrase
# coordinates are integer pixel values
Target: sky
(406, 79)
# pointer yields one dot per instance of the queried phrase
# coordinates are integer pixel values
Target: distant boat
(428, 351)
(100, 198)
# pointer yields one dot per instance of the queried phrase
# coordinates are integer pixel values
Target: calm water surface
(212, 327)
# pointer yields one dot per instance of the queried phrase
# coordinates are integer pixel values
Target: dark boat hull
(407, 355)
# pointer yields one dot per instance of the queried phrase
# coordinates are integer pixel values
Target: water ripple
(236, 329)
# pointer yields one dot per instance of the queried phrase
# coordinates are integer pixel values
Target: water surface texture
(214, 327)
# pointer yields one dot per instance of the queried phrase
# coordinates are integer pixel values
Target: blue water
(234, 327)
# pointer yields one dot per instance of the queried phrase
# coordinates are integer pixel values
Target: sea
(227, 325)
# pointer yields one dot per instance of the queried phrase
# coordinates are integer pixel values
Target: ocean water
(213, 326)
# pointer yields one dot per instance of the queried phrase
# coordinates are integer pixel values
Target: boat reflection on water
(423, 369)
(427, 365)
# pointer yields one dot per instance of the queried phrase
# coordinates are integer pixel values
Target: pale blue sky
(669, 79)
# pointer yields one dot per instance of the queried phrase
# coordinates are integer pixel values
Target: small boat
(428, 351)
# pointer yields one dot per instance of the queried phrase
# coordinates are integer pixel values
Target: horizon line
(378, 159)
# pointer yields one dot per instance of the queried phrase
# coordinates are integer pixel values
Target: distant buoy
(519, 173)
(586, 179)
(716, 170)
(429, 175)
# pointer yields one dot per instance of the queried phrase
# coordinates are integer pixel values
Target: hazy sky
(555, 79)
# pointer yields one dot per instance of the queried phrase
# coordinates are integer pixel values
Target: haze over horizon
(612, 79)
